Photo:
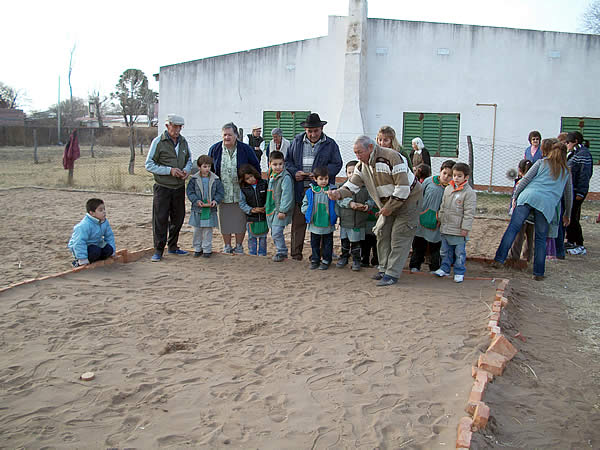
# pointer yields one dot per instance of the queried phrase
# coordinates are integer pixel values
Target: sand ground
(207, 353)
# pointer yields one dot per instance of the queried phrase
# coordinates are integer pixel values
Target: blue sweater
(90, 231)
(328, 155)
(245, 155)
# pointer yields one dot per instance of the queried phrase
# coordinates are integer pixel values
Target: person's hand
(566, 221)
(200, 203)
(579, 197)
(281, 216)
(464, 233)
(299, 175)
(365, 207)
(177, 173)
(334, 194)
(184, 175)
(262, 210)
(213, 203)
(384, 212)
(353, 205)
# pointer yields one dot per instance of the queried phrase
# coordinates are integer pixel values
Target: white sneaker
(577, 250)
(582, 250)
(459, 278)
(414, 270)
(441, 273)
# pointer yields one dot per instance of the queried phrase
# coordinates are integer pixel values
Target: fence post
(470, 145)
(35, 143)
(141, 148)
(93, 142)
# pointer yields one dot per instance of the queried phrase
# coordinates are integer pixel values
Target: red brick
(477, 390)
(492, 362)
(484, 374)
(481, 416)
(492, 324)
(471, 407)
(504, 301)
(503, 346)
(496, 306)
(495, 331)
(495, 316)
(464, 433)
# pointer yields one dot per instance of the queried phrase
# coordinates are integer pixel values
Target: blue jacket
(245, 155)
(90, 231)
(328, 155)
(534, 158)
(310, 200)
(581, 165)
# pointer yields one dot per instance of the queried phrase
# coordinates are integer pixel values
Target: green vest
(165, 156)
(350, 218)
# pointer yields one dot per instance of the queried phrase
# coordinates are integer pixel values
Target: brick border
(490, 364)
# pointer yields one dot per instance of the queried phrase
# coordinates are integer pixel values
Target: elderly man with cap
(308, 151)
(278, 142)
(397, 193)
(255, 140)
(169, 160)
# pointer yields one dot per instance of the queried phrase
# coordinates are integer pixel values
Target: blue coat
(245, 155)
(328, 155)
(90, 231)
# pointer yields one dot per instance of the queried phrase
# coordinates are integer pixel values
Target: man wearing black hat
(309, 150)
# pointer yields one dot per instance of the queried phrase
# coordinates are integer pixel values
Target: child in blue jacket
(92, 239)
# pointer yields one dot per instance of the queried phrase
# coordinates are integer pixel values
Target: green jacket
(165, 156)
(351, 218)
(281, 189)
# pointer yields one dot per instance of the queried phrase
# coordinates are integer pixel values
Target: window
(589, 127)
(288, 121)
(439, 132)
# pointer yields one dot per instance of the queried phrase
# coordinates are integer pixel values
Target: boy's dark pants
(168, 213)
(369, 244)
(574, 233)
(326, 242)
(419, 247)
(96, 253)
(351, 248)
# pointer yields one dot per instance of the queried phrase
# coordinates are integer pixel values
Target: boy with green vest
(353, 214)
(279, 205)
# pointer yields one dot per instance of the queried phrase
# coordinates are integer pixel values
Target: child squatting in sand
(456, 215)
(92, 239)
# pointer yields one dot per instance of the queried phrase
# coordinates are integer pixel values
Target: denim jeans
(326, 240)
(541, 232)
(279, 240)
(453, 255)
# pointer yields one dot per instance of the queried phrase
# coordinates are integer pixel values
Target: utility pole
(58, 112)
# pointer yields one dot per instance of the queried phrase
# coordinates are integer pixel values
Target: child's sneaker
(278, 257)
(75, 263)
(206, 255)
(228, 249)
(387, 280)
(441, 273)
(239, 250)
(198, 254)
(414, 270)
(342, 262)
(156, 257)
(459, 278)
(356, 265)
(378, 276)
(314, 265)
(323, 266)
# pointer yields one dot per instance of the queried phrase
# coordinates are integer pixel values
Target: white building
(421, 78)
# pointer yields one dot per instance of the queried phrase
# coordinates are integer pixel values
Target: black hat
(313, 121)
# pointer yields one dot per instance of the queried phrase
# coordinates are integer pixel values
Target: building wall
(535, 78)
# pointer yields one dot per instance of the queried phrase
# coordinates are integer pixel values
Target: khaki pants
(395, 240)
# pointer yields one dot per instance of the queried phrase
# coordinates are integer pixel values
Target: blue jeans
(253, 240)
(541, 232)
(326, 240)
(96, 253)
(279, 240)
(453, 255)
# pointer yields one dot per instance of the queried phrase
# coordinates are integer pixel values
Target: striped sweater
(388, 172)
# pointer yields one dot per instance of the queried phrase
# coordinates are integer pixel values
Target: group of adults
(397, 196)
(553, 189)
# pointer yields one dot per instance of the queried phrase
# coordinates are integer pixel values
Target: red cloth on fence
(71, 152)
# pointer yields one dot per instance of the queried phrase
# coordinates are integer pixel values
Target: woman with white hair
(278, 143)
(419, 154)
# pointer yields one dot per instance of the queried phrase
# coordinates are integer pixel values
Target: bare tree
(99, 102)
(9, 96)
(132, 94)
(70, 110)
(591, 18)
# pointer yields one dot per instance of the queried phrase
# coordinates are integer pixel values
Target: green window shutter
(439, 131)
(288, 121)
(589, 127)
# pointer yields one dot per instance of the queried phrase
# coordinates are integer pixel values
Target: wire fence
(105, 167)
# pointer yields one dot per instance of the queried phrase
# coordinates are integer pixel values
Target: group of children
(448, 209)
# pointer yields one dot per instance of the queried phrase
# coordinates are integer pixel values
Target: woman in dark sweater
(419, 154)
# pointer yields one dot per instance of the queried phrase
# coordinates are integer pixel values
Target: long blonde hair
(557, 159)
(389, 132)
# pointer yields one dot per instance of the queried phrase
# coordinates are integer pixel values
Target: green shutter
(589, 127)
(439, 132)
(288, 121)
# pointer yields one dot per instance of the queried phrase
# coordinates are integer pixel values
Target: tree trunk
(93, 142)
(70, 178)
(141, 148)
(131, 151)
(471, 161)
(35, 143)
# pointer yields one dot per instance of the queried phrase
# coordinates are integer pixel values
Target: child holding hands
(456, 215)
(205, 191)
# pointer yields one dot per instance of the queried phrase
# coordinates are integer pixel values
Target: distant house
(12, 117)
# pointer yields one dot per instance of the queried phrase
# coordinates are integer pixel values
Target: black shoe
(356, 265)
(570, 245)
(378, 276)
(324, 266)
(314, 265)
(365, 264)
(387, 281)
(342, 262)
(198, 254)
(206, 255)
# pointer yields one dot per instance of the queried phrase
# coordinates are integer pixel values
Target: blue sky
(112, 36)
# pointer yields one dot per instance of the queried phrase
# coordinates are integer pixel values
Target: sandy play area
(241, 352)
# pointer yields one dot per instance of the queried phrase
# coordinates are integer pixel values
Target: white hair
(365, 141)
(419, 142)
